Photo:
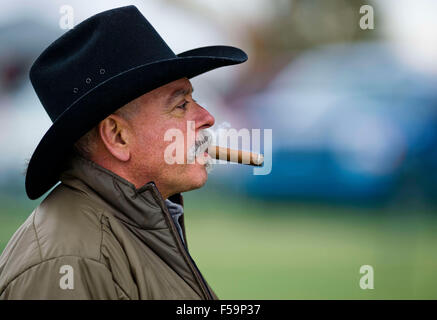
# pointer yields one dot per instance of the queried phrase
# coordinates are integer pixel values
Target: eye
(183, 106)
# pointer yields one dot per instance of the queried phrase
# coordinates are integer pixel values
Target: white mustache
(201, 144)
(203, 141)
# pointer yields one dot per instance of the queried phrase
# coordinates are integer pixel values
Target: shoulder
(66, 224)
(63, 277)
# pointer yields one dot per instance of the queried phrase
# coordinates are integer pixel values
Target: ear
(115, 134)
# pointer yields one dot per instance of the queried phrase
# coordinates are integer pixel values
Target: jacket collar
(143, 207)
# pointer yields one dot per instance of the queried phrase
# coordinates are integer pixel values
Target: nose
(204, 119)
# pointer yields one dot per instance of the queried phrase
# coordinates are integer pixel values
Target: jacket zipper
(200, 280)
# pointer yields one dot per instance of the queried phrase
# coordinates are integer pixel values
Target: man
(113, 228)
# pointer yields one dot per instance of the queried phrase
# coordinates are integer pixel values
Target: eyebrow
(179, 92)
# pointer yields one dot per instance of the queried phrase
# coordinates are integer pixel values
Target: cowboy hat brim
(89, 109)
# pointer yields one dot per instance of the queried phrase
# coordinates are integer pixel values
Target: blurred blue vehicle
(350, 123)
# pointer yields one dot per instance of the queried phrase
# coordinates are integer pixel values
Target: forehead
(168, 91)
(183, 83)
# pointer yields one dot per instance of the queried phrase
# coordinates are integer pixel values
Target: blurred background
(354, 120)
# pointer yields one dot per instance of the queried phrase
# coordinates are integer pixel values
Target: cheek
(151, 146)
(147, 143)
(175, 144)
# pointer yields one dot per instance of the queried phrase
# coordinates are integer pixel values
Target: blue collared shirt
(176, 211)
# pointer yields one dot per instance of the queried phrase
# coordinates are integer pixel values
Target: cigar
(237, 156)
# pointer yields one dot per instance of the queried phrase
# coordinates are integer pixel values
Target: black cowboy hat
(92, 70)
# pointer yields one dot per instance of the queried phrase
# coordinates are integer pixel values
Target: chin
(198, 178)
(202, 176)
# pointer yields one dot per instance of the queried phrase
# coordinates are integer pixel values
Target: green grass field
(254, 250)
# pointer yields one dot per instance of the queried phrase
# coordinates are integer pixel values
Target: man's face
(167, 107)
